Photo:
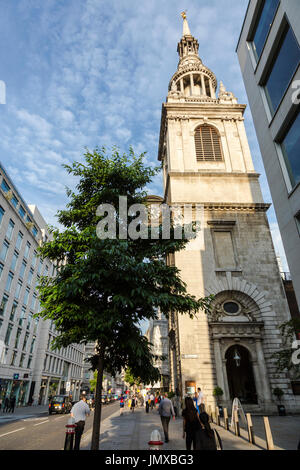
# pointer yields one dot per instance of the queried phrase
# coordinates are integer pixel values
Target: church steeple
(192, 80)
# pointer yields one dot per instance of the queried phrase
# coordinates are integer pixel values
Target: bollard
(217, 416)
(250, 429)
(226, 422)
(269, 438)
(236, 423)
(155, 442)
(70, 432)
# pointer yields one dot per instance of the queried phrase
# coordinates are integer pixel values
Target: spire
(188, 46)
(186, 28)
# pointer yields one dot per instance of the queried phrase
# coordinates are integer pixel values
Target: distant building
(157, 335)
(29, 369)
(269, 55)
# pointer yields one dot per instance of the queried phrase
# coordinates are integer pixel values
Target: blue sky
(87, 73)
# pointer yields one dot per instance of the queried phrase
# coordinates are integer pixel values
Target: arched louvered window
(208, 144)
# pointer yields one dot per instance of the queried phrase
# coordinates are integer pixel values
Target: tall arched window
(208, 144)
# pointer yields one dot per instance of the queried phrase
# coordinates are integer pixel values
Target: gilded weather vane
(183, 14)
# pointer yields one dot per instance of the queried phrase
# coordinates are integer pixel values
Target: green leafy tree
(105, 287)
(131, 379)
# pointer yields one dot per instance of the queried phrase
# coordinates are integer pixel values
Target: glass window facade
(290, 147)
(266, 17)
(284, 67)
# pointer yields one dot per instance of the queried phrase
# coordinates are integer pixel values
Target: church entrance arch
(240, 374)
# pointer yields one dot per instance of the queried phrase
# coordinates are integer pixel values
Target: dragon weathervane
(183, 14)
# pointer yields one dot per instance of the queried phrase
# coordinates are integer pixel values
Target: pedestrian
(200, 400)
(166, 410)
(207, 440)
(152, 403)
(6, 405)
(122, 404)
(79, 412)
(132, 404)
(191, 425)
(12, 404)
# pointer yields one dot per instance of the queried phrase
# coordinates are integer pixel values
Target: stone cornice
(236, 330)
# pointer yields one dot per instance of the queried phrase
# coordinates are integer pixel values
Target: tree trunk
(98, 402)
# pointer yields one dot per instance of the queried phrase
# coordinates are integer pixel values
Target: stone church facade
(206, 161)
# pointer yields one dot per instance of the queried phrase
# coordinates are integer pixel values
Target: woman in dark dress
(191, 425)
(206, 435)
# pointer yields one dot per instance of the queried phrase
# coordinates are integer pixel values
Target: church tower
(206, 161)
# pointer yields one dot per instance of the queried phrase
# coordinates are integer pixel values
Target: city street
(42, 432)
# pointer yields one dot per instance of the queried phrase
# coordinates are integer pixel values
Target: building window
(208, 144)
(13, 358)
(290, 147)
(30, 274)
(32, 344)
(26, 295)
(4, 250)
(5, 186)
(1, 214)
(13, 310)
(34, 231)
(22, 270)
(19, 332)
(14, 201)
(22, 212)
(22, 316)
(14, 261)
(29, 362)
(8, 333)
(25, 342)
(19, 241)
(10, 230)
(284, 66)
(3, 305)
(27, 249)
(9, 281)
(30, 316)
(265, 19)
(1, 269)
(297, 218)
(22, 360)
(18, 289)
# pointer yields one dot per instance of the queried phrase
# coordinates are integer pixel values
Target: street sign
(68, 386)
(16, 376)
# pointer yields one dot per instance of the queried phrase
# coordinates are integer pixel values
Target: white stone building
(207, 164)
(29, 369)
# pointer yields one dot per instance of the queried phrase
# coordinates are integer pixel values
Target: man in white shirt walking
(200, 400)
(79, 412)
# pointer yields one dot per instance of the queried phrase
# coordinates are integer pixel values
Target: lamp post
(237, 358)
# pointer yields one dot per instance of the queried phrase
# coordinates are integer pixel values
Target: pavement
(23, 412)
(132, 431)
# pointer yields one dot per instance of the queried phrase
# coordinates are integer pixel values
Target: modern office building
(207, 164)
(269, 55)
(29, 369)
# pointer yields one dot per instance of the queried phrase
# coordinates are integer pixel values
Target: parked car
(60, 404)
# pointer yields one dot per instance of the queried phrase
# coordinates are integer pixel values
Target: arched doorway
(240, 375)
